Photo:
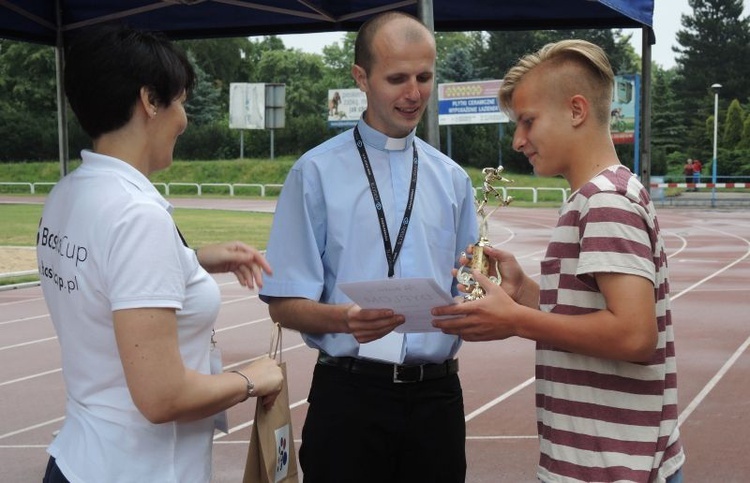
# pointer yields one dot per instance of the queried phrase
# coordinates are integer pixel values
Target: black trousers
(368, 429)
(53, 474)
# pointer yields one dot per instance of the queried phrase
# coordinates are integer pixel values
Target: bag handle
(275, 351)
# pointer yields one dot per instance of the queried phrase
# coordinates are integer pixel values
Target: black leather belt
(395, 372)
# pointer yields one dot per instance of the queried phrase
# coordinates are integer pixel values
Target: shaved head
(409, 28)
(572, 67)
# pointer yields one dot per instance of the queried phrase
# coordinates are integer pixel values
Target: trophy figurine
(478, 260)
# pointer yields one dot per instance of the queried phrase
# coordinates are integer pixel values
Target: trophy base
(478, 262)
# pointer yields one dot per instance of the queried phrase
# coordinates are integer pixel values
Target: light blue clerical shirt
(326, 230)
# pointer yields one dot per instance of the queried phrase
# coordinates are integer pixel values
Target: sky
(667, 15)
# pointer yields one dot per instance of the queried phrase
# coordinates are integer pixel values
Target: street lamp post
(715, 88)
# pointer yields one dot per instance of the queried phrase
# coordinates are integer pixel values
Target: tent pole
(62, 121)
(645, 146)
(432, 130)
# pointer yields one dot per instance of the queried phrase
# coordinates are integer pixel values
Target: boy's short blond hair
(581, 57)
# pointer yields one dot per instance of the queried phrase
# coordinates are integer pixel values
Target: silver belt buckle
(396, 379)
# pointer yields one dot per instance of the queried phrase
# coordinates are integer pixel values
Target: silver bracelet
(250, 385)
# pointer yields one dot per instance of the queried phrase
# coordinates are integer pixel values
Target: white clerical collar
(394, 144)
(378, 140)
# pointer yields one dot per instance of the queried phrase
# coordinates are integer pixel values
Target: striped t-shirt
(600, 419)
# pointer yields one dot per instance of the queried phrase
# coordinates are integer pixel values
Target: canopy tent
(38, 21)
(50, 22)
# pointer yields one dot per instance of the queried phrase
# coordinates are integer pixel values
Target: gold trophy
(478, 260)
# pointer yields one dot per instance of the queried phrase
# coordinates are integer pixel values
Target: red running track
(709, 258)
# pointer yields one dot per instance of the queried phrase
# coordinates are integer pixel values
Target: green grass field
(19, 224)
(200, 227)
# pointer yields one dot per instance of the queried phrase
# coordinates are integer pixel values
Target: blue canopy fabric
(40, 21)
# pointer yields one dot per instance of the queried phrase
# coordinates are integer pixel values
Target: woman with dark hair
(133, 306)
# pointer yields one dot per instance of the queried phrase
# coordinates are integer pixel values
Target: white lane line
(721, 270)
(498, 400)
(697, 400)
(24, 344)
(33, 376)
(24, 301)
(30, 428)
(24, 319)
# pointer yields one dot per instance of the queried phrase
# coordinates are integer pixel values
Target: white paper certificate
(411, 297)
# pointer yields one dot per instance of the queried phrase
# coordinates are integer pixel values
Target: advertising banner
(622, 119)
(345, 106)
(469, 103)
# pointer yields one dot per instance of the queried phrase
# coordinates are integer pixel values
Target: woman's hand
(267, 377)
(246, 262)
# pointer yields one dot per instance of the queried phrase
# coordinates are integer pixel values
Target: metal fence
(537, 194)
(198, 189)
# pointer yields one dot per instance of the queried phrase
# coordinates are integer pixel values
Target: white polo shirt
(106, 242)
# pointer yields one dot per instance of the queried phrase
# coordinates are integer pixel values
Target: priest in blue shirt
(371, 203)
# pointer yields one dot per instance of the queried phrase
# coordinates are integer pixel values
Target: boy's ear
(579, 109)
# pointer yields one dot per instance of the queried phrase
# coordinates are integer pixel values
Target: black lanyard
(391, 254)
(184, 242)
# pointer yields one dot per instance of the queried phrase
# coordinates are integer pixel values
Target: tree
(714, 47)
(255, 54)
(28, 101)
(456, 57)
(223, 61)
(304, 76)
(204, 105)
(457, 66)
(338, 60)
(733, 125)
(498, 51)
(667, 132)
(708, 129)
(306, 96)
(27, 76)
(745, 141)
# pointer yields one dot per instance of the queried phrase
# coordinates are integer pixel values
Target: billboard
(469, 103)
(247, 106)
(257, 106)
(622, 118)
(345, 107)
(275, 106)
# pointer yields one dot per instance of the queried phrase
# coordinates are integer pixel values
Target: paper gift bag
(271, 456)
